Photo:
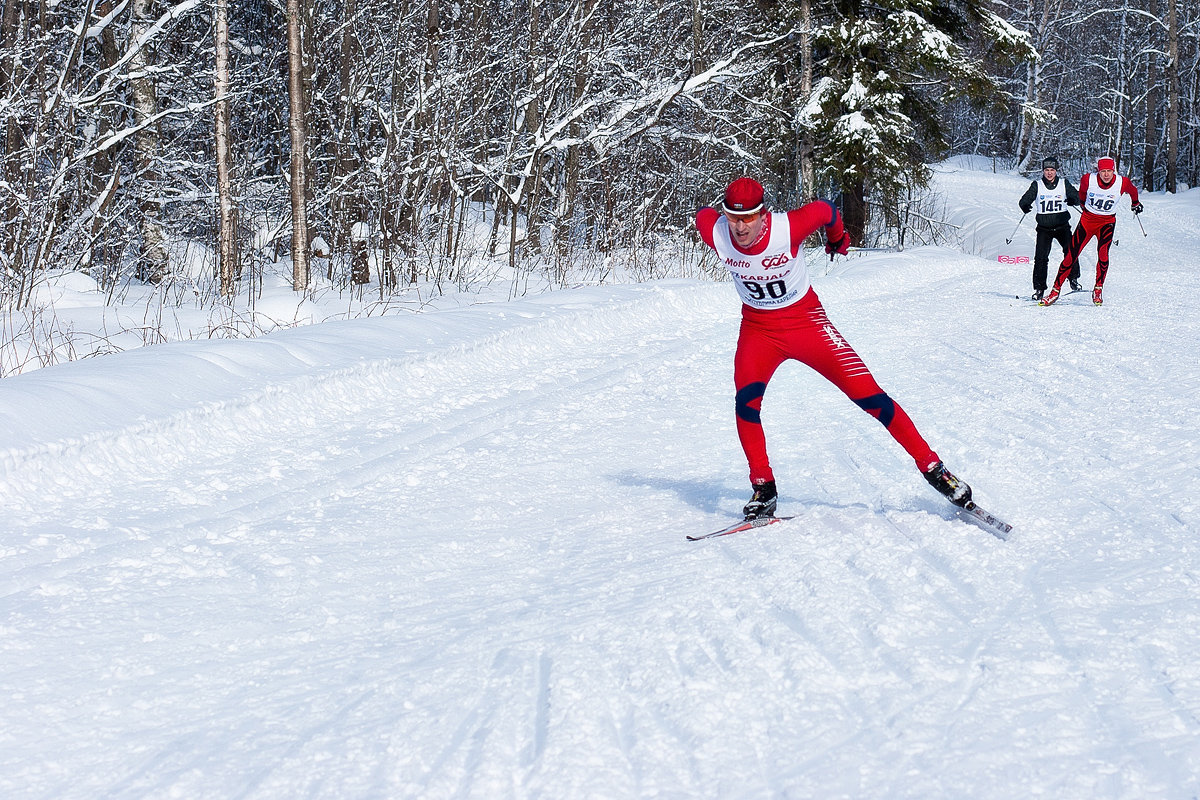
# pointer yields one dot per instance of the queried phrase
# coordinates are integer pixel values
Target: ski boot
(1098, 295)
(940, 478)
(764, 501)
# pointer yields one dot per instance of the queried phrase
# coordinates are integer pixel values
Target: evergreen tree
(885, 71)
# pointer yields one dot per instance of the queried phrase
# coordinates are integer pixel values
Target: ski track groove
(1084, 689)
(541, 717)
(461, 732)
(1162, 681)
(793, 621)
(936, 563)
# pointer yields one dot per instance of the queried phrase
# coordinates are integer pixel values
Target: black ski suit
(1053, 225)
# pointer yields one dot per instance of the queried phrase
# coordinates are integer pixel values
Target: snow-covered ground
(442, 555)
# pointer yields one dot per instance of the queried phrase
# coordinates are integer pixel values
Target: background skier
(1098, 194)
(1051, 195)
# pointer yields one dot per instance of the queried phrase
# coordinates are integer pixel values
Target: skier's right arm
(1072, 194)
(1083, 188)
(1026, 201)
(706, 218)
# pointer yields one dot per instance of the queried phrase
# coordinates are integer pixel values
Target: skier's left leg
(1104, 237)
(1070, 262)
(827, 352)
(1041, 259)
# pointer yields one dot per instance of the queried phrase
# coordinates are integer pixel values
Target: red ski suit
(1098, 219)
(799, 330)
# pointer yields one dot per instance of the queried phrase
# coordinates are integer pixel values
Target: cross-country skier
(782, 318)
(1098, 193)
(1051, 195)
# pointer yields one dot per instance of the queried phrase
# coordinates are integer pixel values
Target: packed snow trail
(456, 566)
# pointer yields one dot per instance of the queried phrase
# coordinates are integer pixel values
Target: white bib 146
(1100, 200)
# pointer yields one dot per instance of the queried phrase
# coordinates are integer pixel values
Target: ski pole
(1014, 233)
(1138, 217)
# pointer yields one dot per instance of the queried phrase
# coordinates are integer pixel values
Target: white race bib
(1100, 200)
(1051, 201)
(772, 279)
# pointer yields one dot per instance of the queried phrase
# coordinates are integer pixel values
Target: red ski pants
(1089, 225)
(803, 332)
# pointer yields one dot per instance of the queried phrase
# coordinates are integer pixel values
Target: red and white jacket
(771, 273)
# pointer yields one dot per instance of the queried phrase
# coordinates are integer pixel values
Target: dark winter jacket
(1048, 217)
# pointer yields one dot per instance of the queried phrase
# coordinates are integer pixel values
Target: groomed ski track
(452, 563)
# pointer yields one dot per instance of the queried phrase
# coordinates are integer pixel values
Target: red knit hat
(1106, 163)
(743, 196)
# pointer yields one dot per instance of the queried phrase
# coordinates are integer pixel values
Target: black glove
(839, 247)
(1137, 208)
(1026, 209)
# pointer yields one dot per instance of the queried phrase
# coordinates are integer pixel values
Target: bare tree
(297, 135)
(558, 127)
(147, 143)
(1044, 21)
(227, 208)
(1173, 97)
(808, 173)
(1151, 118)
(13, 30)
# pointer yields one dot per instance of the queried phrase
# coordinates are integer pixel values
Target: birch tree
(227, 210)
(153, 264)
(1042, 20)
(1173, 97)
(571, 126)
(298, 140)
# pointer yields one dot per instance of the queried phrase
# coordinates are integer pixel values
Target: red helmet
(743, 196)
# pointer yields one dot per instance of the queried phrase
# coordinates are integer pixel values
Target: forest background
(382, 144)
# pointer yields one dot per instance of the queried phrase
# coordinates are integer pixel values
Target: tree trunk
(1032, 96)
(104, 171)
(10, 33)
(808, 177)
(854, 211)
(572, 161)
(1150, 139)
(360, 255)
(148, 147)
(349, 207)
(1172, 97)
(296, 129)
(1120, 112)
(227, 208)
